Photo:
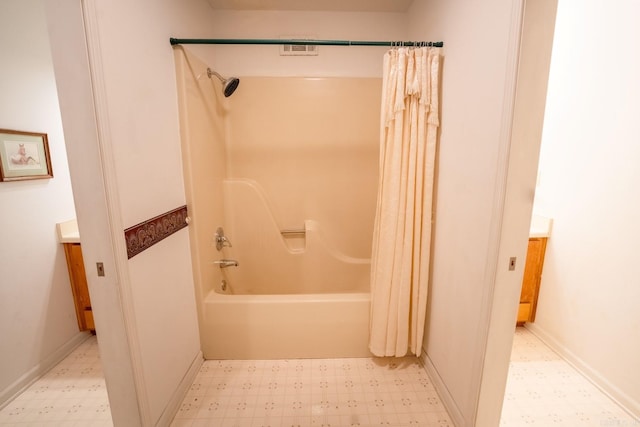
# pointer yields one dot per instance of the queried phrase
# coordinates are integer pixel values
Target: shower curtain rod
(175, 41)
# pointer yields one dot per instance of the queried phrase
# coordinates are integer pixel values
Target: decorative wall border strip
(146, 234)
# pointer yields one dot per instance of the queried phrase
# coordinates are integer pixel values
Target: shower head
(228, 85)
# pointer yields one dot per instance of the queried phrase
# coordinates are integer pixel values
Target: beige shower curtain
(402, 231)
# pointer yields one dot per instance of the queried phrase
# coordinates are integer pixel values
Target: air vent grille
(298, 49)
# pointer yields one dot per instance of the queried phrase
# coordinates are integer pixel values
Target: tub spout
(224, 263)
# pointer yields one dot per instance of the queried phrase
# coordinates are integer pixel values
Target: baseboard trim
(625, 401)
(32, 375)
(177, 397)
(443, 391)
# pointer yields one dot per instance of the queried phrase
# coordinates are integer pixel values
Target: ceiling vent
(298, 49)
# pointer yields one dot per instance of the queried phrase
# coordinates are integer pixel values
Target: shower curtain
(402, 230)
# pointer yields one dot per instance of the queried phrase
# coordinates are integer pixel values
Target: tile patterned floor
(544, 390)
(319, 392)
(73, 394)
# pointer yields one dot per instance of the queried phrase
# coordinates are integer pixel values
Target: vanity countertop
(540, 226)
(68, 232)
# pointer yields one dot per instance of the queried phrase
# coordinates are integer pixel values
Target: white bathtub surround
(402, 233)
(307, 261)
(302, 294)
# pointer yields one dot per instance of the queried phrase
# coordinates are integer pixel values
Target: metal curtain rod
(175, 41)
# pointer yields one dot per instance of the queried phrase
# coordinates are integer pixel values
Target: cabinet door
(524, 312)
(78, 280)
(532, 275)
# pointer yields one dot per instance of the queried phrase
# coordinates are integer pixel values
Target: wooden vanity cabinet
(531, 279)
(78, 279)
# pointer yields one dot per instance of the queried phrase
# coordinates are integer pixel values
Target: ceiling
(315, 5)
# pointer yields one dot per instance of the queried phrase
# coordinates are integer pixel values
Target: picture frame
(24, 155)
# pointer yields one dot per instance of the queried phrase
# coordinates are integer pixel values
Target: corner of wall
(443, 392)
(28, 378)
(627, 402)
(177, 396)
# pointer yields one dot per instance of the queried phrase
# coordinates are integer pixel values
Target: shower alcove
(288, 167)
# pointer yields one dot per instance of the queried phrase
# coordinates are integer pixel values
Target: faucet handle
(221, 239)
(224, 263)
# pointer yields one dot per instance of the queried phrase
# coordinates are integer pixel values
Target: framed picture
(24, 155)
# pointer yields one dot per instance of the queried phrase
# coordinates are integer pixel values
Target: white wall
(150, 298)
(141, 105)
(37, 317)
(332, 60)
(588, 305)
(524, 149)
(478, 77)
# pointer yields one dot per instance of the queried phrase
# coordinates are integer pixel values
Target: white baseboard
(625, 401)
(177, 397)
(443, 391)
(33, 374)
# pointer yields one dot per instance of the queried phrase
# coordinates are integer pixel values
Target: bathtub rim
(218, 297)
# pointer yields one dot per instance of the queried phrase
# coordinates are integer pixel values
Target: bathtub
(286, 326)
(292, 295)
